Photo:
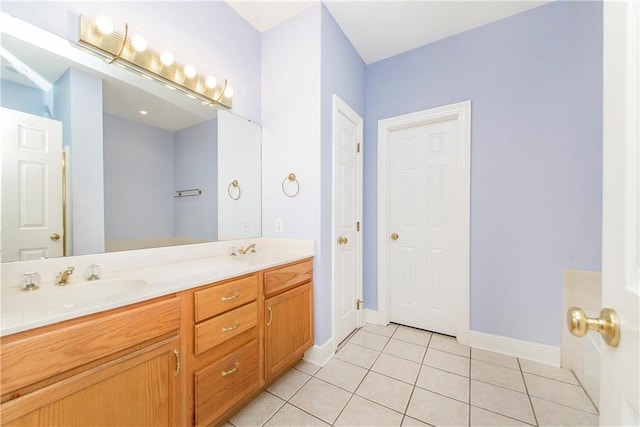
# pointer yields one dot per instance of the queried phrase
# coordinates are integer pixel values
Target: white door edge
(339, 106)
(461, 112)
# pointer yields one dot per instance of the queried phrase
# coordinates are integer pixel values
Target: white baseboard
(524, 349)
(319, 355)
(370, 316)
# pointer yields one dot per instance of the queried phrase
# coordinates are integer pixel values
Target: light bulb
(210, 82)
(166, 58)
(104, 24)
(139, 43)
(228, 92)
(190, 71)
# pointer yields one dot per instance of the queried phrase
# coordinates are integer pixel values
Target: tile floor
(400, 376)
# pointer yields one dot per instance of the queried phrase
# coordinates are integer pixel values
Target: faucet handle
(93, 272)
(30, 281)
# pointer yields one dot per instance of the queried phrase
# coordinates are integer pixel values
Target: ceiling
(381, 29)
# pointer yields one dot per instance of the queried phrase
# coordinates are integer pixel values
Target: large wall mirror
(146, 166)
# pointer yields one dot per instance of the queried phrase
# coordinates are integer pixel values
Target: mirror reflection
(146, 166)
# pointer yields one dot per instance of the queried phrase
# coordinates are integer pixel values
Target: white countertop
(135, 282)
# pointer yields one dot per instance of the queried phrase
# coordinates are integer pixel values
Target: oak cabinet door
(138, 389)
(288, 328)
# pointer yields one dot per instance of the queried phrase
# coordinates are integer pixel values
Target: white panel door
(31, 186)
(423, 190)
(347, 202)
(620, 366)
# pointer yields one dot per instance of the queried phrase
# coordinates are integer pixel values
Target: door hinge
(358, 304)
(358, 226)
(358, 147)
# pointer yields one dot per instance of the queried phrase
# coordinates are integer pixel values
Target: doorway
(346, 221)
(423, 219)
(32, 223)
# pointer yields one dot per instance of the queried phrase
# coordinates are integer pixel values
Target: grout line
(469, 418)
(503, 415)
(533, 411)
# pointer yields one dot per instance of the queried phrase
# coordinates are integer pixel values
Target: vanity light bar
(99, 36)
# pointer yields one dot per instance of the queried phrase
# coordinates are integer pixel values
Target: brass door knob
(607, 324)
(342, 240)
(394, 236)
(54, 236)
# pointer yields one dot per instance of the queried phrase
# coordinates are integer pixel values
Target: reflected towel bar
(188, 193)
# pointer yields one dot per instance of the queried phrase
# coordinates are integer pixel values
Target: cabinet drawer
(224, 383)
(287, 277)
(225, 326)
(224, 297)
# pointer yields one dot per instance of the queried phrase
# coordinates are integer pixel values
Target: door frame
(461, 112)
(339, 106)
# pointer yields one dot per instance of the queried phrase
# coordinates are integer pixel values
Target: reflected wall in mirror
(126, 170)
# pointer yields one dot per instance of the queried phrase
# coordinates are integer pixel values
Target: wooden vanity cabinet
(120, 367)
(288, 310)
(226, 352)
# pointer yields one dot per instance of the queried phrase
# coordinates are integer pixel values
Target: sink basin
(60, 299)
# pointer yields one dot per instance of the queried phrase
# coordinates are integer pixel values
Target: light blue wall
(138, 180)
(535, 83)
(81, 117)
(291, 142)
(195, 166)
(208, 33)
(343, 72)
(23, 98)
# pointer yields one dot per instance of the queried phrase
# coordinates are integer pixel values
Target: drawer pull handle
(176, 353)
(232, 370)
(270, 316)
(235, 295)
(231, 328)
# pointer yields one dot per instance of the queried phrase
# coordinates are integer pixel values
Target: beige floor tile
(447, 361)
(321, 399)
(548, 371)
(498, 375)
(405, 350)
(357, 355)
(412, 422)
(395, 367)
(437, 410)
(449, 344)
(307, 367)
(445, 383)
(482, 417)
(553, 414)
(362, 412)
(559, 392)
(387, 331)
(258, 411)
(412, 335)
(386, 391)
(495, 358)
(290, 416)
(289, 383)
(343, 374)
(369, 340)
(501, 400)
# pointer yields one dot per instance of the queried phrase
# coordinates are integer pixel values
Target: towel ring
(232, 185)
(291, 178)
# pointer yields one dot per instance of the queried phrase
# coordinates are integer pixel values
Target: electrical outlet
(278, 225)
(245, 225)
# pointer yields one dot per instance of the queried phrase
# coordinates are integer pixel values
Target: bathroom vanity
(192, 356)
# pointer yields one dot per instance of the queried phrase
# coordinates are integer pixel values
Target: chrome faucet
(251, 248)
(63, 277)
